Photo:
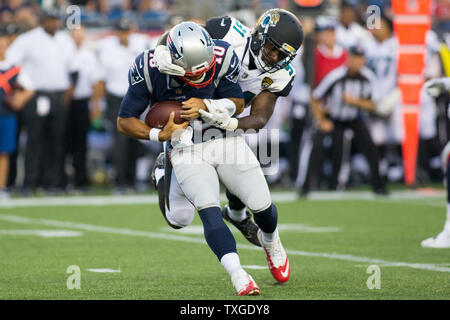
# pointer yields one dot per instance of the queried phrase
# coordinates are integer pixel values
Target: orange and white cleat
(277, 258)
(244, 283)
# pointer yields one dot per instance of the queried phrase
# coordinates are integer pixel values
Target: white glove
(220, 119)
(182, 138)
(434, 87)
(163, 61)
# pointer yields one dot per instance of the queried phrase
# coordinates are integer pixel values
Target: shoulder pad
(137, 70)
(279, 82)
(222, 43)
(140, 71)
(218, 27)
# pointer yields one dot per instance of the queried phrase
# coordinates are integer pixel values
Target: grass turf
(32, 267)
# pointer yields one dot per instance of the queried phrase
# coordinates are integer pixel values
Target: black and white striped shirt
(338, 82)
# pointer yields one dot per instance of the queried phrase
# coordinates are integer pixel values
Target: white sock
(236, 215)
(159, 173)
(447, 222)
(231, 262)
(270, 237)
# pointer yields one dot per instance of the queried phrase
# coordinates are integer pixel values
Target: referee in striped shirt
(339, 102)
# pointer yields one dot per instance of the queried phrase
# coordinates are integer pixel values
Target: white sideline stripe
(155, 235)
(41, 233)
(276, 197)
(79, 201)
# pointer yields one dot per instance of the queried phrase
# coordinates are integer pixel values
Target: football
(159, 114)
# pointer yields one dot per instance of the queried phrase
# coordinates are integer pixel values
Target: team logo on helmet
(270, 18)
(266, 83)
(207, 38)
(173, 49)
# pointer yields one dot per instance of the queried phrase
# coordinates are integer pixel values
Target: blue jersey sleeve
(228, 86)
(138, 96)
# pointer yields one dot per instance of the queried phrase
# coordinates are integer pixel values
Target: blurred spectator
(17, 11)
(299, 99)
(116, 54)
(349, 31)
(328, 55)
(13, 96)
(78, 120)
(14, 31)
(386, 122)
(45, 53)
(347, 92)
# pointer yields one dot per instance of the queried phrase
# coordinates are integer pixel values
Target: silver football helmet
(192, 48)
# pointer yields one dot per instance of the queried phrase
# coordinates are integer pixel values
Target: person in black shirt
(347, 93)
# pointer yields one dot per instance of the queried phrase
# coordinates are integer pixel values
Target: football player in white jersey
(265, 54)
(435, 87)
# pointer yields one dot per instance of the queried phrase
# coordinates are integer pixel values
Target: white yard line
(104, 270)
(155, 235)
(429, 198)
(285, 227)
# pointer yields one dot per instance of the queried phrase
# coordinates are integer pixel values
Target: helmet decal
(207, 39)
(173, 49)
(270, 19)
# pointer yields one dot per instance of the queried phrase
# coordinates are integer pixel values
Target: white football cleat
(277, 258)
(442, 240)
(244, 283)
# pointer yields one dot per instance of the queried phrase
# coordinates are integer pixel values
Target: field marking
(156, 235)
(104, 270)
(431, 197)
(41, 233)
(254, 267)
(306, 228)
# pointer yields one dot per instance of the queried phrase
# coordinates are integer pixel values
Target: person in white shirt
(45, 54)
(386, 122)
(116, 54)
(78, 120)
(349, 32)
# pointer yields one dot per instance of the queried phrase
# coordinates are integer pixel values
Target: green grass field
(330, 245)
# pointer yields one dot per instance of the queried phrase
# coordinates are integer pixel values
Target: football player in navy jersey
(265, 53)
(208, 84)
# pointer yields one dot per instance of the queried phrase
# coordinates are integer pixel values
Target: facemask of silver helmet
(192, 48)
(277, 33)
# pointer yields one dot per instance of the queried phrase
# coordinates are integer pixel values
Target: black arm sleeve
(218, 27)
(74, 78)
